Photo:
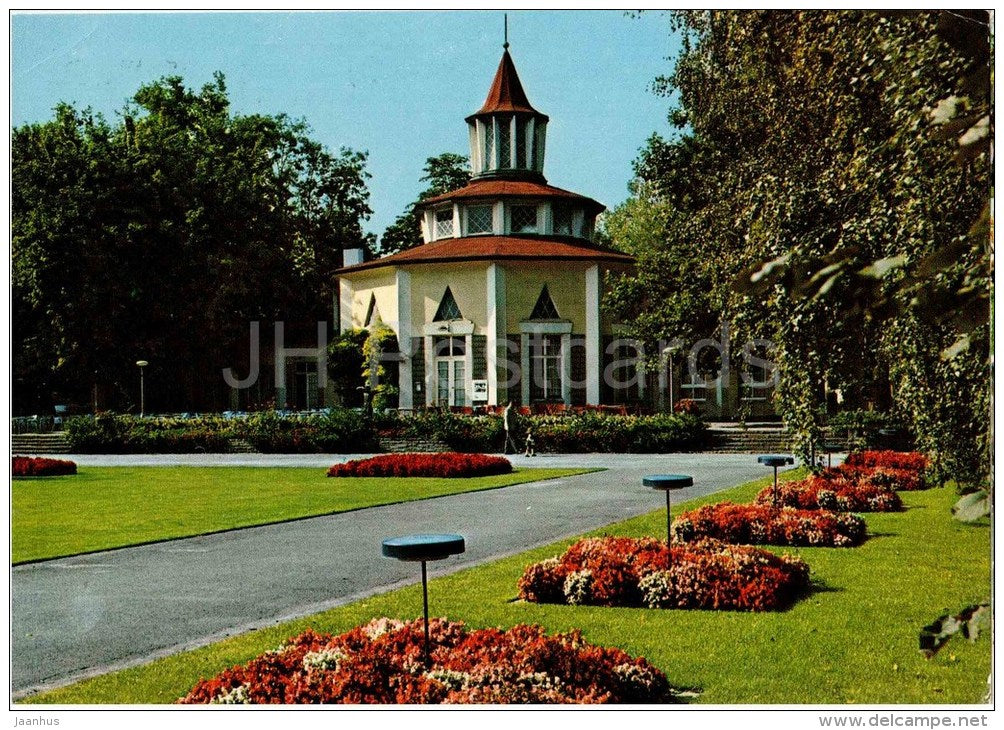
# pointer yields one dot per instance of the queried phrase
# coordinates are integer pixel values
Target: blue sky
(396, 84)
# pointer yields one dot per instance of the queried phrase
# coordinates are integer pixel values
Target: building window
(538, 146)
(444, 223)
(302, 394)
(624, 375)
(504, 143)
(757, 375)
(489, 150)
(448, 308)
(372, 313)
(545, 368)
(521, 143)
(451, 370)
(523, 219)
(695, 390)
(479, 219)
(544, 308)
(562, 220)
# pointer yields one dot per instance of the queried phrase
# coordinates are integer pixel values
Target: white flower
(324, 659)
(453, 680)
(633, 675)
(380, 626)
(578, 587)
(236, 696)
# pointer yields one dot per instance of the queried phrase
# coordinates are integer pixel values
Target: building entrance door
(451, 371)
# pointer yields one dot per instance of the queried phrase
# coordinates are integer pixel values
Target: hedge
(343, 431)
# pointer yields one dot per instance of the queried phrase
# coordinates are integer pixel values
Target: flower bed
(623, 571)
(835, 494)
(382, 663)
(423, 465)
(28, 466)
(909, 460)
(756, 524)
(881, 477)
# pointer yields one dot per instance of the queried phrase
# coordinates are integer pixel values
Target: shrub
(336, 431)
(835, 494)
(593, 431)
(755, 524)
(343, 430)
(861, 419)
(423, 465)
(122, 434)
(905, 460)
(382, 663)
(708, 574)
(28, 466)
(459, 432)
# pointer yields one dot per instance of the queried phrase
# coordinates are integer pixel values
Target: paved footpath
(80, 616)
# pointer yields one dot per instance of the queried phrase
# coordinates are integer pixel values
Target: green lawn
(107, 507)
(853, 640)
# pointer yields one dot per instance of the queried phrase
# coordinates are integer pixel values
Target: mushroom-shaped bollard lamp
(667, 483)
(831, 447)
(422, 548)
(775, 460)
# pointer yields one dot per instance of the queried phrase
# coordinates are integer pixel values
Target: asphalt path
(80, 616)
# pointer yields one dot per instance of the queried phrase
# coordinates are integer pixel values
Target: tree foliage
(443, 173)
(813, 173)
(160, 236)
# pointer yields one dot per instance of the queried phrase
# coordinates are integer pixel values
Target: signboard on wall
(479, 391)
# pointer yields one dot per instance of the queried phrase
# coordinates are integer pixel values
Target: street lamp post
(142, 396)
(670, 351)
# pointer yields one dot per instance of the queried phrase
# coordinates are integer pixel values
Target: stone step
(39, 443)
(729, 441)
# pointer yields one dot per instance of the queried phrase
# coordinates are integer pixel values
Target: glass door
(451, 372)
(451, 382)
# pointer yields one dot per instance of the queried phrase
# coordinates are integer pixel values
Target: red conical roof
(506, 93)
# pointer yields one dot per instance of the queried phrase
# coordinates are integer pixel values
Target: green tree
(837, 220)
(660, 305)
(345, 365)
(161, 236)
(443, 173)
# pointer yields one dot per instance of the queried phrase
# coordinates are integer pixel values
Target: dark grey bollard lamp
(775, 460)
(831, 448)
(422, 548)
(667, 483)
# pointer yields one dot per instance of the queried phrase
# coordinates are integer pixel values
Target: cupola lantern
(507, 134)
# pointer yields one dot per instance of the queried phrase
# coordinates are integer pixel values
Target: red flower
(27, 466)
(383, 663)
(423, 465)
(833, 490)
(758, 524)
(707, 574)
(909, 460)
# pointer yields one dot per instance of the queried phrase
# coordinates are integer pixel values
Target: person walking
(508, 425)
